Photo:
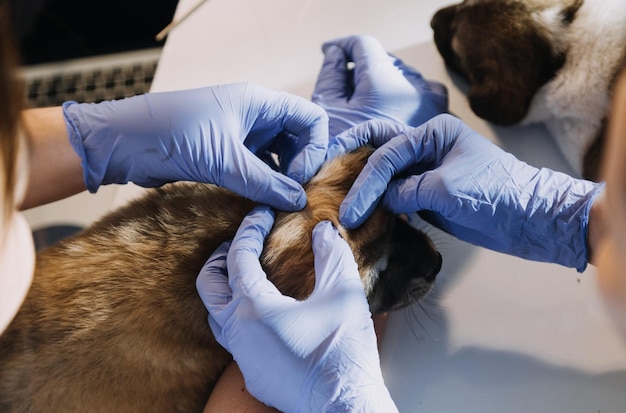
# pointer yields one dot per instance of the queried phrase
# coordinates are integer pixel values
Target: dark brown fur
(113, 322)
(502, 36)
(510, 50)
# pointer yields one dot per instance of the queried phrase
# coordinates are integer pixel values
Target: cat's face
(505, 49)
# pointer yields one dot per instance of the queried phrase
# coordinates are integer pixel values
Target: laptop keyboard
(93, 84)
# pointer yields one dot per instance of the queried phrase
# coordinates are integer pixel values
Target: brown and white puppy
(113, 322)
(539, 61)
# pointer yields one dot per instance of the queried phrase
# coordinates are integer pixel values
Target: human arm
(296, 355)
(230, 395)
(55, 170)
(359, 81)
(215, 134)
(597, 227)
(469, 187)
(610, 246)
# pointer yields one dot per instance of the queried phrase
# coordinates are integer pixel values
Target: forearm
(55, 168)
(230, 395)
(610, 254)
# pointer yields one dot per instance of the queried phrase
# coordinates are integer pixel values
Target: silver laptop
(93, 79)
(73, 50)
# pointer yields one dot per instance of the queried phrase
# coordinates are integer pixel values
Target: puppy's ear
(444, 29)
(498, 101)
(569, 12)
(557, 18)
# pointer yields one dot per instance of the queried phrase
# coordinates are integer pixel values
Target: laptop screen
(53, 30)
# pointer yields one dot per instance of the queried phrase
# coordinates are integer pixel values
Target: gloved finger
(216, 328)
(280, 152)
(432, 91)
(283, 112)
(335, 266)
(428, 143)
(366, 52)
(417, 79)
(246, 276)
(338, 287)
(307, 160)
(441, 90)
(212, 283)
(404, 196)
(250, 177)
(309, 123)
(376, 69)
(411, 74)
(487, 171)
(291, 154)
(374, 132)
(334, 80)
(428, 191)
(378, 72)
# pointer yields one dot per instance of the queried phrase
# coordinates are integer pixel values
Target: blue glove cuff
(584, 226)
(557, 229)
(92, 179)
(347, 384)
(95, 130)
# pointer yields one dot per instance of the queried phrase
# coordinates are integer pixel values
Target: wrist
(370, 400)
(85, 133)
(592, 227)
(348, 383)
(556, 219)
(116, 139)
(55, 170)
(596, 229)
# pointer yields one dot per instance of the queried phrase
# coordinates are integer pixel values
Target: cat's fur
(539, 61)
(113, 322)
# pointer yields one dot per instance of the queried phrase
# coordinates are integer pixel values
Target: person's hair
(11, 101)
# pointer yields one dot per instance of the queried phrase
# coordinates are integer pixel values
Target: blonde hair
(13, 149)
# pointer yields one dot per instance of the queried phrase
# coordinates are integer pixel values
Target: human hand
(214, 134)
(304, 356)
(378, 86)
(469, 187)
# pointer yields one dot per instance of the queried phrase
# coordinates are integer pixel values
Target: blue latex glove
(473, 190)
(210, 134)
(378, 85)
(316, 355)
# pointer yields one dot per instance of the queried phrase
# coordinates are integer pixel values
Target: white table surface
(499, 334)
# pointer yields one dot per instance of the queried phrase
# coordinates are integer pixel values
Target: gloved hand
(378, 86)
(471, 188)
(208, 135)
(297, 356)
